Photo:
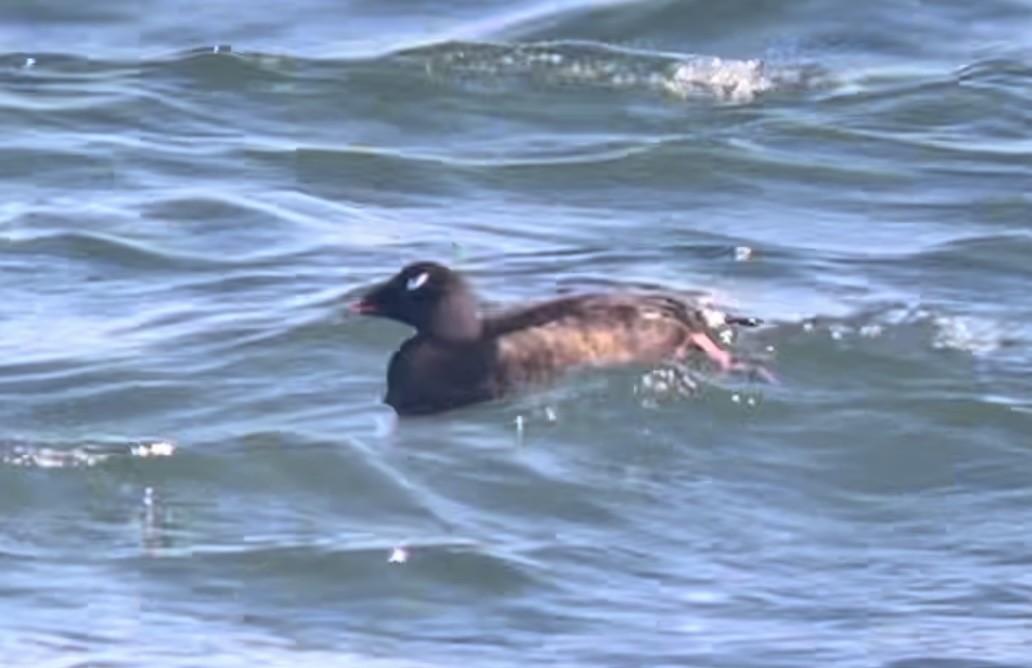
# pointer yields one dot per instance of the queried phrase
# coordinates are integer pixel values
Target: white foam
(966, 334)
(47, 457)
(729, 80)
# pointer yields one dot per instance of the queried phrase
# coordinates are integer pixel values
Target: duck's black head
(428, 296)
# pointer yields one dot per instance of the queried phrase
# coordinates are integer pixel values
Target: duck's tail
(743, 321)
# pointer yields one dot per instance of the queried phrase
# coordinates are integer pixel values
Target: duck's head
(429, 297)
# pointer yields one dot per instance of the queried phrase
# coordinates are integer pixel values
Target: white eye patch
(417, 282)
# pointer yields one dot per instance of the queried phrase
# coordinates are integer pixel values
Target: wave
(552, 63)
(549, 63)
(681, 76)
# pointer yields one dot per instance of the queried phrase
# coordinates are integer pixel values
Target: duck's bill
(362, 306)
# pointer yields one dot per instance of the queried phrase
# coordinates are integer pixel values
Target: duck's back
(538, 343)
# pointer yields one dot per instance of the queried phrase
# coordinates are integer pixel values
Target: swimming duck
(458, 357)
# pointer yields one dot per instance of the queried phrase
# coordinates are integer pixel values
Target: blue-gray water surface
(196, 468)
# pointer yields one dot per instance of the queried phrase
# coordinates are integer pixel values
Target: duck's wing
(601, 330)
(542, 341)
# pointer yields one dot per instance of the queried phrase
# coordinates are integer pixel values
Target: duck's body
(457, 358)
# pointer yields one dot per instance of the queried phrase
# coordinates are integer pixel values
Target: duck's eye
(417, 281)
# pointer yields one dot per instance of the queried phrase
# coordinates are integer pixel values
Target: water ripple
(189, 198)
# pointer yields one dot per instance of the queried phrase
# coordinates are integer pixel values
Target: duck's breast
(426, 377)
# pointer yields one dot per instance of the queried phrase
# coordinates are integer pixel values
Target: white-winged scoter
(457, 357)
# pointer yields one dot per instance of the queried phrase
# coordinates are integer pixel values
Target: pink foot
(724, 360)
(715, 352)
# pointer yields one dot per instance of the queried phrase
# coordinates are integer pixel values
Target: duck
(458, 357)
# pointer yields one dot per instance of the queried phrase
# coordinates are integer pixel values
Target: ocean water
(195, 466)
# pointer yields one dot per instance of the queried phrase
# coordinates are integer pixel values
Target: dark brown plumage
(457, 357)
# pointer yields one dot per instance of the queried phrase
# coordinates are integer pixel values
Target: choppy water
(195, 469)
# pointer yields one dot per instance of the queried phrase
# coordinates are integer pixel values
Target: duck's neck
(455, 320)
